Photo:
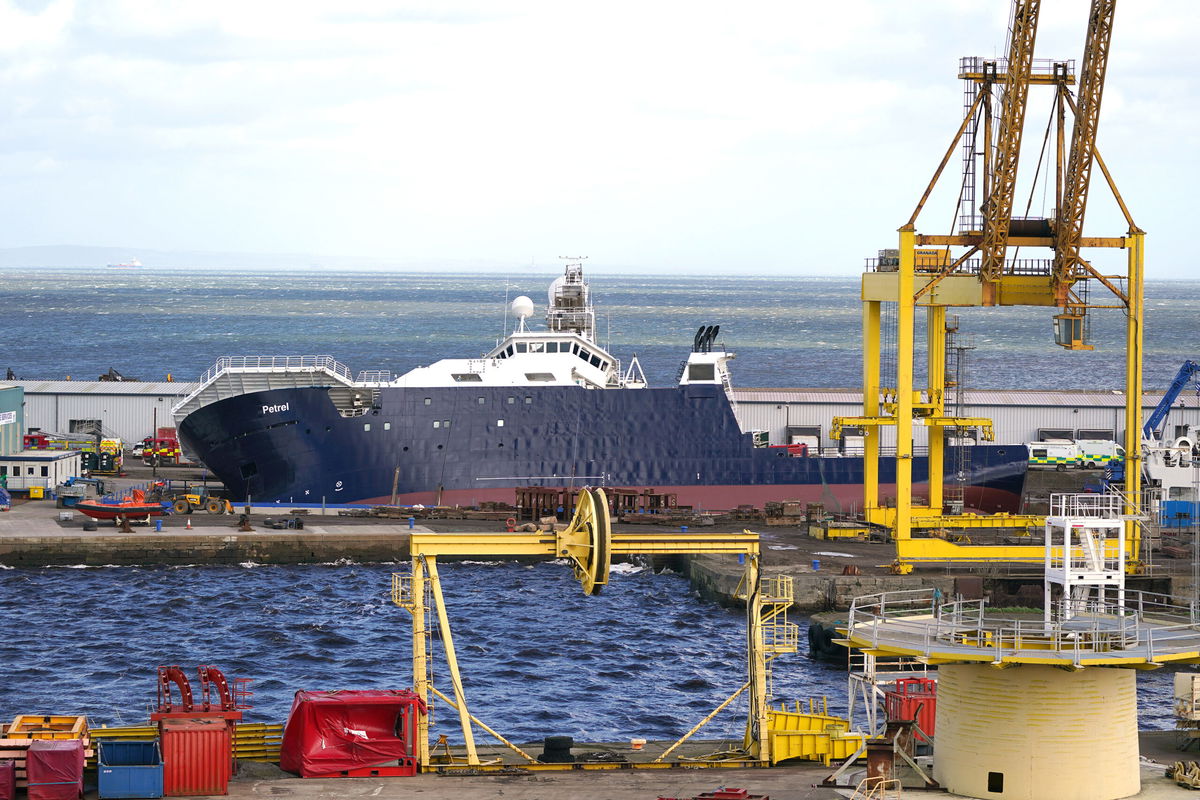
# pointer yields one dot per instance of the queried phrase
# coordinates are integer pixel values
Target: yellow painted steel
(871, 359)
(812, 736)
(936, 282)
(1134, 330)
(478, 722)
(464, 716)
(589, 543)
(1040, 732)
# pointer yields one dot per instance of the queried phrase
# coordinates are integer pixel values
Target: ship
(546, 407)
(133, 263)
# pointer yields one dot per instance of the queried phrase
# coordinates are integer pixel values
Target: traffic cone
(189, 523)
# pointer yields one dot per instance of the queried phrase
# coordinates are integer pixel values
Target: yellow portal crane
(939, 278)
(589, 544)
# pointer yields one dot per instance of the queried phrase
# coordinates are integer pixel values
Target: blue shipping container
(130, 769)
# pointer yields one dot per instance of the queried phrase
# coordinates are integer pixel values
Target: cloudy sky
(788, 137)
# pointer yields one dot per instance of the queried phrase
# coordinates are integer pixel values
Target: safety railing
(970, 66)
(1087, 506)
(226, 364)
(1148, 622)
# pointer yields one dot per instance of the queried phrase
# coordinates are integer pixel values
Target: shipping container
(913, 699)
(197, 756)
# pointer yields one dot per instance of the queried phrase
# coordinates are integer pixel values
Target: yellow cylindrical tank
(1033, 732)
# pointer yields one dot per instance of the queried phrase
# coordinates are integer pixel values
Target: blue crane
(1159, 415)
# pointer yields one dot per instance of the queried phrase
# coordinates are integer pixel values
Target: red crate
(913, 698)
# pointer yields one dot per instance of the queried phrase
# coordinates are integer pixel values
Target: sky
(762, 137)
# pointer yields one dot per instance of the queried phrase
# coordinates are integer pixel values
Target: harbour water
(787, 332)
(647, 658)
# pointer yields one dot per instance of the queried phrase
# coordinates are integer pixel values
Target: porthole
(439, 447)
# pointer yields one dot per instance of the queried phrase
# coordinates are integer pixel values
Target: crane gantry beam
(997, 209)
(1069, 266)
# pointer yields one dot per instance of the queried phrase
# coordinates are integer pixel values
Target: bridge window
(522, 347)
(595, 359)
(551, 347)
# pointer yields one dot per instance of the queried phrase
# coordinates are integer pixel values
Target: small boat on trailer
(133, 506)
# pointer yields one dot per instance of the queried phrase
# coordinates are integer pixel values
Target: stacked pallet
(16, 738)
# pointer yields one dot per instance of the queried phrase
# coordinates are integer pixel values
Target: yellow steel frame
(426, 547)
(903, 406)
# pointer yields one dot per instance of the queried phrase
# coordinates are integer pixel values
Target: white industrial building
(805, 415)
(130, 410)
(126, 410)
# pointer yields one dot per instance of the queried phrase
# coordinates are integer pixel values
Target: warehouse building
(125, 410)
(12, 418)
(130, 411)
(791, 416)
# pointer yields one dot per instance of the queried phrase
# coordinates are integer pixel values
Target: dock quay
(827, 573)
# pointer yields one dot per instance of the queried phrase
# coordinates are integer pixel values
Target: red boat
(133, 506)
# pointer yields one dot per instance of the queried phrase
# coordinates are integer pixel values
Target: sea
(647, 658)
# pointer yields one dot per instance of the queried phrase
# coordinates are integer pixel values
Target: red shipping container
(8, 779)
(913, 698)
(54, 769)
(197, 756)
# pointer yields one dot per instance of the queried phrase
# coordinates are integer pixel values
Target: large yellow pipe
(905, 306)
(464, 716)
(871, 345)
(935, 339)
(420, 657)
(1133, 397)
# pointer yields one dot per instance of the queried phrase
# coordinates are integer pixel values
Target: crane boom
(997, 210)
(1068, 264)
(1159, 414)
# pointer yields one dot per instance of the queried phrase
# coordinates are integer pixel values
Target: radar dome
(522, 307)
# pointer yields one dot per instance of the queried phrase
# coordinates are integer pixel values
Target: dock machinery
(982, 270)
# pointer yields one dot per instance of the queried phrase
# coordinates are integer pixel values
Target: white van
(1096, 453)
(1057, 453)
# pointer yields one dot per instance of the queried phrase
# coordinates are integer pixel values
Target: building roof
(158, 388)
(41, 455)
(991, 397)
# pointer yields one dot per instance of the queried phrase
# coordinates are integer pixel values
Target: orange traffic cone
(189, 523)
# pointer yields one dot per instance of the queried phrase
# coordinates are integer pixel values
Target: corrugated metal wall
(129, 416)
(12, 419)
(1016, 416)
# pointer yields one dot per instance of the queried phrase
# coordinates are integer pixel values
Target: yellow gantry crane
(976, 265)
(589, 544)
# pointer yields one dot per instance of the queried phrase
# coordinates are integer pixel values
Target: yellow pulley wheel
(587, 540)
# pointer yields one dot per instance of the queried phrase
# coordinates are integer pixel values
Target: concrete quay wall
(717, 577)
(196, 547)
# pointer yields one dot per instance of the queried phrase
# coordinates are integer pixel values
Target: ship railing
(374, 376)
(276, 364)
(1148, 622)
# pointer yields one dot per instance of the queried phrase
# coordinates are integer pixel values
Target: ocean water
(786, 332)
(647, 658)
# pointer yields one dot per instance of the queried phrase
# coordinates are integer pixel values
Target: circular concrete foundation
(1033, 732)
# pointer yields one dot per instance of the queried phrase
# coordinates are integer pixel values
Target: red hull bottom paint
(836, 498)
